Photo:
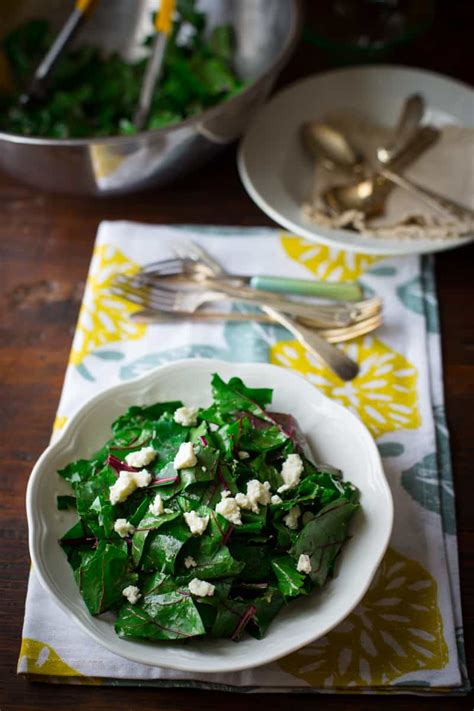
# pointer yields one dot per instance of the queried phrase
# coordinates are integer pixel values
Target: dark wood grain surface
(45, 248)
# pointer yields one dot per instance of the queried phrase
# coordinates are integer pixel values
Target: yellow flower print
(384, 393)
(42, 659)
(59, 423)
(104, 317)
(326, 262)
(396, 630)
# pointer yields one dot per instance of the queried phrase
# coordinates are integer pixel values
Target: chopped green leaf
(104, 575)
(176, 527)
(93, 94)
(290, 582)
(170, 616)
(66, 503)
(323, 537)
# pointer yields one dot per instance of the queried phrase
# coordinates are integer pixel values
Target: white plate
(335, 436)
(277, 175)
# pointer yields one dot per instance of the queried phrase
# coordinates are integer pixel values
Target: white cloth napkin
(406, 636)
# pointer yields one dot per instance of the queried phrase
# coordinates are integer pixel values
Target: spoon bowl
(367, 196)
(323, 141)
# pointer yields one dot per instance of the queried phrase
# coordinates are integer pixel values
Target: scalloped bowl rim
(214, 655)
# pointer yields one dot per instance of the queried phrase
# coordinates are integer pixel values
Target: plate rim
(379, 249)
(67, 437)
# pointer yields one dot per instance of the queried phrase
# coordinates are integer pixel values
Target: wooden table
(46, 243)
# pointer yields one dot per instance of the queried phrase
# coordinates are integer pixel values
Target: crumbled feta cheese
(156, 507)
(186, 416)
(307, 517)
(142, 478)
(123, 527)
(189, 562)
(242, 501)
(196, 524)
(276, 499)
(122, 488)
(126, 484)
(140, 459)
(304, 564)
(291, 472)
(132, 593)
(291, 518)
(225, 493)
(201, 588)
(185, 456)
(257, 493)
(229, 509)
(244, 455)
(168, 510)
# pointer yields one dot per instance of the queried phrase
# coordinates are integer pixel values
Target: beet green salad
(203, 522)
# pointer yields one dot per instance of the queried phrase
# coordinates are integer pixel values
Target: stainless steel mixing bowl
(266, 33)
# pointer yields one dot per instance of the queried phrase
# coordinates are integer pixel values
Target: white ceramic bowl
(335, 436)
(278, 176)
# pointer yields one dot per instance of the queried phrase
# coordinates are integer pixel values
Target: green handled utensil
(337, 291)
(199, 269)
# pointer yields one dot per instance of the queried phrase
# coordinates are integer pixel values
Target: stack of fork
(179, 288)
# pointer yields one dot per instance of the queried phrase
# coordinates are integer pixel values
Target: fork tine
(129, 296)
(135, 281)
(151, 296)
(186, 248)
(174, 265)
(126, 290)
(165, 298)
(141, 299)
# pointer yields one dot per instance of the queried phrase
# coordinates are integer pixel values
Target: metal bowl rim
(284, 54)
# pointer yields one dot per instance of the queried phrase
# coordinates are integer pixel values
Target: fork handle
(408, 125)
(348, 291)
(332, 335)
(337, 360)
(321, 315)
(438, 202)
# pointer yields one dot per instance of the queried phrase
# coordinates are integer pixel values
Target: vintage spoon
(322, 141)
(407, 127)
(364, 195)
(368, 195)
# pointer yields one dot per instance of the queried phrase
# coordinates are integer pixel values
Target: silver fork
(199, 270)
(189, 299)
(338, 361)
(146, 291)
(173, 302)
(333, 335)
(177, 270)
(182, 303)
(152, 313)
(192, 253)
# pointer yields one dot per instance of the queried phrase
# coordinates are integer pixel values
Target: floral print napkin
(406, 635)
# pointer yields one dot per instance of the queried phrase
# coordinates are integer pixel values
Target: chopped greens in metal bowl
(91, 95)
(203, 522)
